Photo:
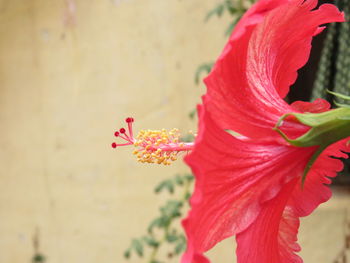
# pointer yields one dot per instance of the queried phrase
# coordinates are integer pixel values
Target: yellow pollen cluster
(157, 146)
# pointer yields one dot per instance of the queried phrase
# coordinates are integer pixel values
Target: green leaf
(193, 112)
(187, 195)
(151, 241)
(167, 184)
(155, 223)
(189, 137)
(170, 187)
(171, 209)
(189, 177)
(179, 180)
(341, 105)
(218, 11)
(231, 26)
(171, 238)
(127, 254)
(206, 68)
(232, 10)
(339, 95)
(180, 246)
(38, 258)
(137, 246)
(230, 7)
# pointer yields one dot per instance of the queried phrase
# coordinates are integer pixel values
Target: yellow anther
(155, 146)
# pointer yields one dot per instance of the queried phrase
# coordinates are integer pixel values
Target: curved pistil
(153, 146)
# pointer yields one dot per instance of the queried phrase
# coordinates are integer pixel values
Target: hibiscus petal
(234, 178)
(272, 236)
(253, 16)
(317, 106)
(260, 62)
(316, 190)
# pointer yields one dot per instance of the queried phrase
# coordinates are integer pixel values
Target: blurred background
(70, 72)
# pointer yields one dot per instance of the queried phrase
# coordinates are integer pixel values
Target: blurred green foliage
(161, 229)
(235, 9)
(38, 258)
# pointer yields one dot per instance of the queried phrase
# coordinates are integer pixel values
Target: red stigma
(128, 120)
(125, 135)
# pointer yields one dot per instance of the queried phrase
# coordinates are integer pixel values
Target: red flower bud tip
(116, 134)
(122, 130)
(114, 145)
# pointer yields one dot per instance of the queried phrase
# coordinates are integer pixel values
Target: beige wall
(64, 88)
(63, 91)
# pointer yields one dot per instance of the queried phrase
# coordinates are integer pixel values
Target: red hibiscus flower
(249, 185)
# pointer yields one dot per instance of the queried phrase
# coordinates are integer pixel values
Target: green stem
(240, 7)
(156, 249)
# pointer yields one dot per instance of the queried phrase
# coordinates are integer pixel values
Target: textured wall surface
(70, 72)
(68, 78)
